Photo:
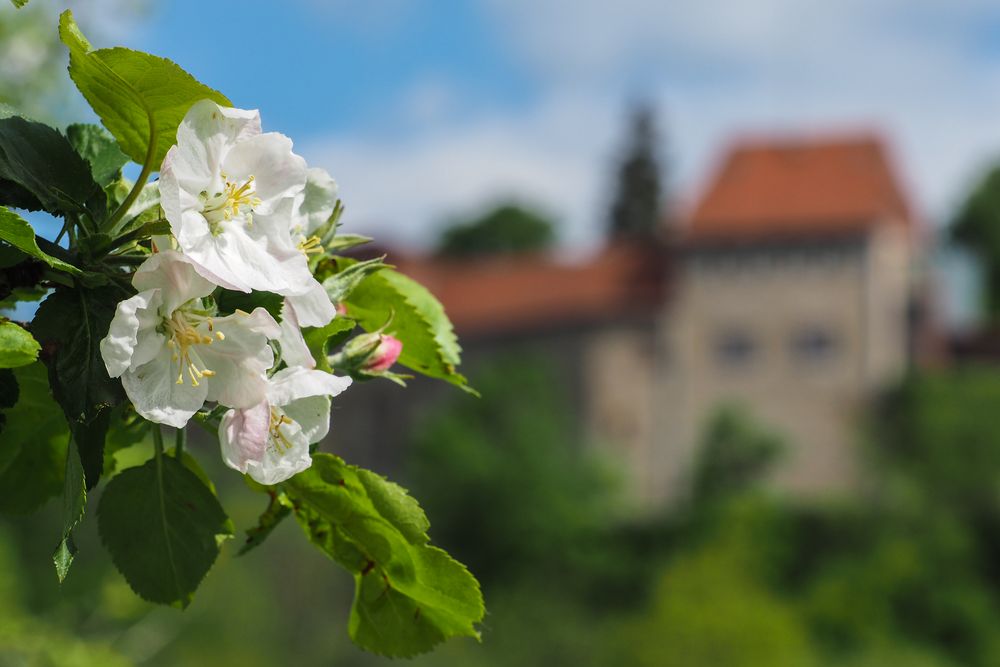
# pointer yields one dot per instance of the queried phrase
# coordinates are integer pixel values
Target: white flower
(229, 193)
(172, 355)
(312, 210)
(270, 441)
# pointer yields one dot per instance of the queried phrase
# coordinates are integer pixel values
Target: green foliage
(40, 160)
(976, 227)
(32, 445)
(410, 596)
(230, 301)
(278, 509)
(416, 318)
(733, 455)
(140, 98)
(637, 205)
(710, 610)
(520, 496)
(70, 325)
(99, 149)
(163, 528)
(17, 346)
(506, 229)
(16, 231)
(74, 503)
(320, 339)
(350, 273)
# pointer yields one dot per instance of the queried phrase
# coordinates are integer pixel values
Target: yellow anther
(220, 335)
(312, 246)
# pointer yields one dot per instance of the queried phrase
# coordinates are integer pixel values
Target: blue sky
(426, 110)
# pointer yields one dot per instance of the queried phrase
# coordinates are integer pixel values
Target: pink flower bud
(341, 308)
(385, 355)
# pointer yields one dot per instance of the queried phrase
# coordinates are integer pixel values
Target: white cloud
(909, 68)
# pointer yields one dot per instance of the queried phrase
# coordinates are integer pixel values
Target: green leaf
(89, 438)
(163, 527)
(345, 241)
(99, 149)
(140, 98)
(70, 324)
(320, 339)
(277, 509)
(17, 347)
(340, 285)
(16, 231)
(229, 301)
(41, 160)
(409, 595)
(417, 319)
(19, 3)
(32, 445)
(74, 503)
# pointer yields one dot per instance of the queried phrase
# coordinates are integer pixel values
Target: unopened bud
(384, 355)
(341, 308)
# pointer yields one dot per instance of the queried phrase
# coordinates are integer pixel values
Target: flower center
(184, 339)
(226, 205)
(278, 438)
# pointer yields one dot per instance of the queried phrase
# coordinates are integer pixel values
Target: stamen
(312, 246)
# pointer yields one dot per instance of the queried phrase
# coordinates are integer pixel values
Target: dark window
(813, 344)
(735, 348)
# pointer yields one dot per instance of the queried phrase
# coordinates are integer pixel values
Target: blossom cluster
(243, 211)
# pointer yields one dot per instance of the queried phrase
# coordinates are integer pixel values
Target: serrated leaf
(89, 438)
(17, 346)
(162, 526)
(39, 159)
(32, 445)
(70, 324)
(276, 512)
(140, 98)
(99, 149)
(409, 595)
(319, 340)
(417, 318)
(16, 231)
(74, 503)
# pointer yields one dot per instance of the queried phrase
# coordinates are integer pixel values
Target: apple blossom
(173, 355)
(270, 441)
(229, 192)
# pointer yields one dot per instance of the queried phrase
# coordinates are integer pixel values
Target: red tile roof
(502, 294)
(793, 186)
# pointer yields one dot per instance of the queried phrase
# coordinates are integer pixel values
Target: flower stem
(179, 443)
(113, 225)
(158, 443)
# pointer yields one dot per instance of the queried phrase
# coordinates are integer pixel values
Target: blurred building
(796, 298)
(789, 290)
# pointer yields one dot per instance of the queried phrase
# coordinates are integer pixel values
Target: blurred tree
(636, 211)
(522, 497)
(977, 229)
(508, 228)
(734, 454)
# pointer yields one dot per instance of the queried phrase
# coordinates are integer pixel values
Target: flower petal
(318, 200)
(240, 360)
(313, 308)
(277, 171)
(294, 350)
(156, 395)
(282, 460)
(312, 414)
(243, 435)
(292, 384)
(176, 278)
(119, 346)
